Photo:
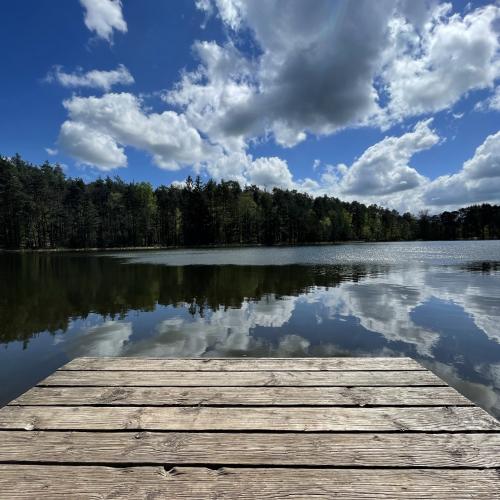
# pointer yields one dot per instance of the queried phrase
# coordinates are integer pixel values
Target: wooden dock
(245, 429)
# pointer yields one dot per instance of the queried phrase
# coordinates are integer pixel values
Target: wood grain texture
(67, 482)
(256, 396)
(241, 378)
(290, 449)
(242, 364)
(274, 419)
(247, 428)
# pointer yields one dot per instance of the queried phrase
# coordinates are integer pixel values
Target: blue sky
(392, 102)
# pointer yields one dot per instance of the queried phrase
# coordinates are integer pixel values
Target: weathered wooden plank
(63, 482)
(339, 450)
(242, 364)
(239, 379)
(234, 418)
(256, 396)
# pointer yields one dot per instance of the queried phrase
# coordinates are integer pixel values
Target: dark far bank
(42, 208)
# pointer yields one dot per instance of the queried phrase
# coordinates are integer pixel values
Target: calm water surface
(438, 302)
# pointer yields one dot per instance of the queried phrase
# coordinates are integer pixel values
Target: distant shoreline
(217, 247)
(182, 247)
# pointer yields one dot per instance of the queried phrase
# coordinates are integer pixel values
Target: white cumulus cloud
(478, 181)
(99, 127)
(315, 74)
(222, 81)
(90, 146)
(431, 69)
(383, 168)
(490, 104)
(93, 79)
(269, 172)
(383, 175)
(103, 17)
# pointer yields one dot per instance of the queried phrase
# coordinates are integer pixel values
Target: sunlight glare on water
(447, 252)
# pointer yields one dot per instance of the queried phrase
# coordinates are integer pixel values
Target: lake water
(438, 302)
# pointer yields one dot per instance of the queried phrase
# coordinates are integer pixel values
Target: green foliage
(41, 208)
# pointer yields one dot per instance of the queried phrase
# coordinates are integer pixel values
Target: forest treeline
(40, 207)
